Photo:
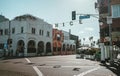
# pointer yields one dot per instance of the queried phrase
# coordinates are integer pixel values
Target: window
(39, 32)
(58, 37)
(1, 32)
(13, 30)
(6, 31)
(33, 30)
(22, 29)
(116, 10)
(48, 34)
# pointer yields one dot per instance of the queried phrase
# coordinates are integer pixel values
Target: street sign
(84, 17)
(109, 20)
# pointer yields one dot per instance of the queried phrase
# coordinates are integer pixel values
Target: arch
(67, 47)
(20, 48)
(40, 48)
(63, 49)
(48, 47)
(71, 47)
(31, 47)
(54, 46)
(74, 48)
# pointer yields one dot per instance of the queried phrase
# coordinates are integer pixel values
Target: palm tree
(91, 40)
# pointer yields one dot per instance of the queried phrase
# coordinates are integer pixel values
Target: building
(62, 44)
(109, 32)
(76, 40)
(30, 36)
(114, 11)
(2, 18)
(69, 45)
(27, 35)
(58, 37)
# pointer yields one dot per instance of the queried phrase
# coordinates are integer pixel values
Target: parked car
(80, 53)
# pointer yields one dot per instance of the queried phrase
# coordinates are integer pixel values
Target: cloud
(81, 32)
(89, 29)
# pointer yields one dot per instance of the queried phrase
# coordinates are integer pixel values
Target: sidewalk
(114, 67)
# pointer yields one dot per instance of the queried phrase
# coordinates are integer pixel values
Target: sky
(57, 11)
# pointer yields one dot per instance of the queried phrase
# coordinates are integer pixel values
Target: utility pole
(110, 31)
(9, 38)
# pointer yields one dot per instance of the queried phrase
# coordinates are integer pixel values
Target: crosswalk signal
(73, 15)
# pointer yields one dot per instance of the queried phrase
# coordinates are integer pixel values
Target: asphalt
(16, 67)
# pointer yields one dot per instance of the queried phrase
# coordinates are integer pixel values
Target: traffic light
(73, 15)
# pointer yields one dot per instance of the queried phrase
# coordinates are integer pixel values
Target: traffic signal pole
(110, 35)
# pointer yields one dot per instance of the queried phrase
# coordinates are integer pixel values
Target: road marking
(37, 71)
(35, 68)
(86, 72)
(27, 60)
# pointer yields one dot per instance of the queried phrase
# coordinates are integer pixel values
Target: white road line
(27, 60)
(37, 71)
(35, 68)
(86, 72)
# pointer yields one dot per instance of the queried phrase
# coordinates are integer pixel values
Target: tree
(92, 43)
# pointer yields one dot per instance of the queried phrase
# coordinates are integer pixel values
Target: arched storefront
(54, 46)
(20, 48)
(31, 47)
(48, 47)
(63, 49)
(70, 52)
(67, 49)
(74, 49)
(40, 48)
(70, 47)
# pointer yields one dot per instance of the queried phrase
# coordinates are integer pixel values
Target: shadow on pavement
(115, 70)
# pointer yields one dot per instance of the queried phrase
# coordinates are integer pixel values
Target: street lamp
(109, 21)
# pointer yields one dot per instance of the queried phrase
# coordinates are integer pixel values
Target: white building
(30, 35)
(68, 44)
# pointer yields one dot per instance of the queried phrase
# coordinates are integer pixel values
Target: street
(66, 65)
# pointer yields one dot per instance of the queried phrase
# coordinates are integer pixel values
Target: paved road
(53, 66)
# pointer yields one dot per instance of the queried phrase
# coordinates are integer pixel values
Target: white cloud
(81, 32)
(89, 29)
